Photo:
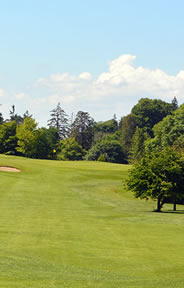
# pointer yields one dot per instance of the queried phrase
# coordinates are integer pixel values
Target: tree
(46, 141)
(158, 176)
(138, 144)
(148, 112)
(128, 127)
(71, 150)
(59, 120)
(167, 131)
(108, 151)
(8, 139)
(174, 103)
(83, 129)
(27, 137)
(109, 126)
(15, 117)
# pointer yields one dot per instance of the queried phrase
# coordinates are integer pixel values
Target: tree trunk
(159, 205)
(174, 207)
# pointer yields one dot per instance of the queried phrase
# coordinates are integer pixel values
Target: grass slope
(71, 224)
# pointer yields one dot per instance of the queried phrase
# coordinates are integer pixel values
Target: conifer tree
(59, 120)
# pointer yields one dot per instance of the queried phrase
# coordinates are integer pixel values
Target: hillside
(72, 224)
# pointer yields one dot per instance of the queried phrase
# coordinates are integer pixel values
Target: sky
(99, 56)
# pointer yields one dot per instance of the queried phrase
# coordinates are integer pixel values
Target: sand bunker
(9, 169)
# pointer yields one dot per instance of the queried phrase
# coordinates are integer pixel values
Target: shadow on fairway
(174, 212)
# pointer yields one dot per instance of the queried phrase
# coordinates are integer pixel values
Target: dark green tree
(128, 127)
(148, 112)
(108, 151)
(159, 176)
(8, 139)
(83, 129)
(46, 142)
(174, 104)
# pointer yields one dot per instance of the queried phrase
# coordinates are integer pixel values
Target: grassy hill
(71, 224)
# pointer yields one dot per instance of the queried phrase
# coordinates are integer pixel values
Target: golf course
(73, 224)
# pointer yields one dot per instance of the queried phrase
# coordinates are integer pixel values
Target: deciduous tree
(158, 176)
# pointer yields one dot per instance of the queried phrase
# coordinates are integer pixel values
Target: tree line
(82, 138)
(158, 156)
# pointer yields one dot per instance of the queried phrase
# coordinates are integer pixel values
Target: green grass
(72, 224)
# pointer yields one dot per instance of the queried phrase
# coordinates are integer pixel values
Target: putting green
(72, 224)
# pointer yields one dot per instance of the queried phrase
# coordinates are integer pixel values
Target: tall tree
(8, 139)
(175, 103)
(27, 137)
(59, 120)
(15, 117)
(83, 129)
(128, 127)
(158, 176)
(137, 150)
(148, 112)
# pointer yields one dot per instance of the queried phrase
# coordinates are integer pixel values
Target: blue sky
(81, 53)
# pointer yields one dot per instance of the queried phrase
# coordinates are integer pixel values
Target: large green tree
(107, 150)
(46, 142)
(26, 134)
(160, 176)
(148, 112)
(70, 150)
(168, 131)
(8, 139)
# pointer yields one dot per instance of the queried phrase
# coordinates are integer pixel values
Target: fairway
(72, 224)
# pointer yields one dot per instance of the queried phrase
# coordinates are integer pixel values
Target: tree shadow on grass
(173, 212)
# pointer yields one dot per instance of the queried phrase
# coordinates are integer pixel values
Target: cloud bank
(116, 90)
(122, 79)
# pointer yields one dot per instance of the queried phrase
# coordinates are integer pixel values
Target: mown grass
(72, 224)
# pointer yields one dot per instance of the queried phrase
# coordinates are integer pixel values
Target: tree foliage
(107, 150)
(148, 112)
(83, 129)
(8, 138)
(70, 150)
(27, 137)
(137, 150)
(167, 131)
(160, 176)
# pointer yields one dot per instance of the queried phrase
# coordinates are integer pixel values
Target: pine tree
(175, 103)
(83, 129)
(59, 120)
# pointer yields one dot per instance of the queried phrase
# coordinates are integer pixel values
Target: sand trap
(9, 169)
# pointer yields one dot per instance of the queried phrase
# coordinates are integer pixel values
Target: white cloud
(122, 79)
(114, 91)
(20, 96)
(2, 93)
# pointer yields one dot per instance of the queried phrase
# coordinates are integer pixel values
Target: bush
(108, 151)
(71, 150)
